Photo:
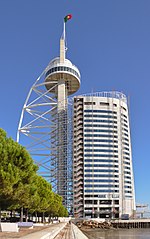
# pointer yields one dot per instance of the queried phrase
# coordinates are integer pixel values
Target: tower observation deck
(46, 122)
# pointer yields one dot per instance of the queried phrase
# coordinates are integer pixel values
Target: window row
(62, 68)
(101, 135)
(101, 191)
(124, 143)
(101, 181)
(127, 177)
(127, 187)
(101, 155)
(125, 139)
(100, 116)
(124, 116)
(126, 153)
(101, 176)
(127, 191)
(100, 126)
(100, 150)
(123, 108)
(125, 134)
(101, 170)
(100, 121)
(101, 145)
(89, 103)
(101, 140)
(100, 161)
(101, 165)
(101, 186)
(125, 126)
(124, 120)
(129, 182)
(125, 129)
(128, 163)
(101, 111)
(126, 157)
(126, 172)
(101, 130)
(125, 167)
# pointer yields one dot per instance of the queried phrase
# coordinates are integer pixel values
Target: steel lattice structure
(41, 129)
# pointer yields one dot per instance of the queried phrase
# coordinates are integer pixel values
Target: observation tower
(46, 122)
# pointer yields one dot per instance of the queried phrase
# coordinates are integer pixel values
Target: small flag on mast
(68, 17)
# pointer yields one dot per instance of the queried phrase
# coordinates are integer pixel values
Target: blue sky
(108, 40)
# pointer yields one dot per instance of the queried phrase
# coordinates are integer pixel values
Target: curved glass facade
(103, 157)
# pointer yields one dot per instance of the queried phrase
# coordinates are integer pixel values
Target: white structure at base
(103, 174)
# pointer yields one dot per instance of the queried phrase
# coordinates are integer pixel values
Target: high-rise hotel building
(102, 173)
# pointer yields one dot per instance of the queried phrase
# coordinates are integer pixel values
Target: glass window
(101, 165)
(100, 116)
(101, 145)
(101, 111)
(101, 170)
(89, 103)
(100, 130)
(124, 116)
(101, 160)
(102, 140)
(100, 150)
(101, 191)
(126, 191)
(123, 108)
(100, 126)
(101, 181)
(104, 103)
(101, 121)
(101, 135)
(127, 163)
(101, 175)
(128, 177)
(126, 153)
(102, 186)
(101, 155)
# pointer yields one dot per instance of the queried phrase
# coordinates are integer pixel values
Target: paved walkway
(48, 233)
(61, 230)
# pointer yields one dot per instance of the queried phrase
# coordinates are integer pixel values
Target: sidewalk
(48, 233)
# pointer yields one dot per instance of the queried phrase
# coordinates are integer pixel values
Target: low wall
(9, 227)
(77, 233)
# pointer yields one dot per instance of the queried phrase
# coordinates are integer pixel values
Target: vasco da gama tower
(47, 122)
(82, 145)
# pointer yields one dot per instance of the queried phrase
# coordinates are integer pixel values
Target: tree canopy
(20, 185)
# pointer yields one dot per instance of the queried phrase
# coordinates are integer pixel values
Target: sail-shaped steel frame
(38, 131)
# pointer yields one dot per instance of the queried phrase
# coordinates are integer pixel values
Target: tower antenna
(66, 18)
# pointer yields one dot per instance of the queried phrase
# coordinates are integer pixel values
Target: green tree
(43, 196)
(20, 186)
(17, 171)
